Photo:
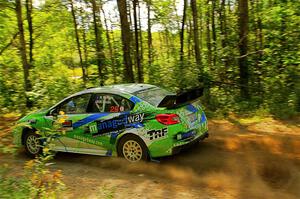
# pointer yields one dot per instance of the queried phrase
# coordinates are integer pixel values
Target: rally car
(134, 121)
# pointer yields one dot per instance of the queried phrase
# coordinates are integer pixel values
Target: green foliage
(107, 192)
(37, 181)
(273, 62)
(13, 187)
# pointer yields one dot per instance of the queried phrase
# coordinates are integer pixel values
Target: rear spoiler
(181, 99)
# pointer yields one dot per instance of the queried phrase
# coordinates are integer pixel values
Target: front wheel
(32, 144)
(132, 148)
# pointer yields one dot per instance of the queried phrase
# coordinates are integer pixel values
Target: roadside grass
(107, 192)
(37, 179)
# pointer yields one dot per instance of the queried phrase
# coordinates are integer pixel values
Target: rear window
(153, 96)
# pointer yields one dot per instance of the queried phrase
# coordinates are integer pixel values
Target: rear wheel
(132, 148)
(33, 146)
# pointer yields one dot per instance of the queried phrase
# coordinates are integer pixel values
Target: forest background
(245, 53)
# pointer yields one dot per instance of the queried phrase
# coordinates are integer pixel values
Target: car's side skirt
(82, 151)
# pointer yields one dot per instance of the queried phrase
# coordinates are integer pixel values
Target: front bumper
(177, 149)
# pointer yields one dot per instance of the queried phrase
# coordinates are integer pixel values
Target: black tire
(32, 151)
(125, 140)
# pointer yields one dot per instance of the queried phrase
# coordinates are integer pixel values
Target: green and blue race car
(134, 121)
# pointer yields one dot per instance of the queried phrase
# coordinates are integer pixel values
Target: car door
(107, 112)
(67, 113)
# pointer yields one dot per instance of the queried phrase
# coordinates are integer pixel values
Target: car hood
(33, 115)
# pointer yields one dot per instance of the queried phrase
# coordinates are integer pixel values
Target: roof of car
(115, 89)
(120, 88)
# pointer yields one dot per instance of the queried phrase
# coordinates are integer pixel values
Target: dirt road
(239, 160)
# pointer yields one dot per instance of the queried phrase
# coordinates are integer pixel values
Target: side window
(110, 103)
(75, 105)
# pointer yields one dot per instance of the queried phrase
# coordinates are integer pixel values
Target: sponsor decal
(89, 119)
(135, 99)
(93, 128)
(115, 124)
(116, 109)
(182, 136)
(179, 143)
(88, 140)
(155, 134)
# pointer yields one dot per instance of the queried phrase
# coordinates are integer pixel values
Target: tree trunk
(200, 27)
(213, 29)
(282, 40)
(176, 12)
(182, 34)
(78, 42)
(131, 27)
(223, 30)
(196, 35)
(259, 29)
(208, 42)
(30, 29)
(243, 47)
(149, 35)
(111, 54)
(99, 43)
(137, 48)
(22, 49)
(115, 47)
(190, 38)
(141, 37)
(126, 41)
(85, 53)
(259, 49)
(85, 50)
(167, 43)
(181, 52)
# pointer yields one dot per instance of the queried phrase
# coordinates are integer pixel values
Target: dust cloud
(243, 163)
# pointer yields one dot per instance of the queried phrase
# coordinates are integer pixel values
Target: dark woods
(245, 53)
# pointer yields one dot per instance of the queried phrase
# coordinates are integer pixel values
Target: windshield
(154, 95)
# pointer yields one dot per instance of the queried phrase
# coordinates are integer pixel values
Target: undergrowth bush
(37, 179)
